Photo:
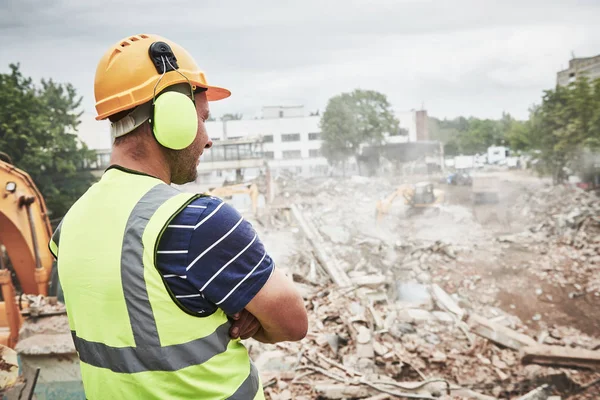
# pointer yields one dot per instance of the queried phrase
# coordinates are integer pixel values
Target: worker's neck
(154, 165)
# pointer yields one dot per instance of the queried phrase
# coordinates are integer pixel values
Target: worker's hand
(244, 325)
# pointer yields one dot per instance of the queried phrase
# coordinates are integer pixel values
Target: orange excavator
(35, 341)
(24, 235)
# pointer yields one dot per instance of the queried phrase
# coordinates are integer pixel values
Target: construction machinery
(32, 321)
(251, 189)
(459, 178)
(418, 197)
(25, 235)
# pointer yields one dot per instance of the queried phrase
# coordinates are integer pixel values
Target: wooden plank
(445, 301)
(338, 275)
(561, 356)
(372, 281)
(499, 334)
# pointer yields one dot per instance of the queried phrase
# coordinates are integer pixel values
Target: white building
(289, 142)
(292, 140)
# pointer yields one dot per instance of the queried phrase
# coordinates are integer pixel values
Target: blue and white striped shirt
(211, 257)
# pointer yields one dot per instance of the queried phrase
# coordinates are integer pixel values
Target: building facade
(579, 67)
(290, 141)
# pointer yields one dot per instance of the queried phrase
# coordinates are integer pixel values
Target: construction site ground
(426, 290)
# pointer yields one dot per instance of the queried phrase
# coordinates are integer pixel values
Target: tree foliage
(353, 119)
(559, 130)
(471, 135)
(566, 123)
(38, 126)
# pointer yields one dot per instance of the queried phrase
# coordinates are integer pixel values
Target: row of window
(292, 137)
(293, 154)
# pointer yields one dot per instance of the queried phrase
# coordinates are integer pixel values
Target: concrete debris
(541, 393)
(438, 307)
(332, 362)
(445, 302)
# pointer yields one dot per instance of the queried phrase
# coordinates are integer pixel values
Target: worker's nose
(208, 144)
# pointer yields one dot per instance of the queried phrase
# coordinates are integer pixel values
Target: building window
(314, 153)
(269, 155)
(290, 137)
(280, 114)
(314, 136)
(291, 154)
(234, 137)
(298, 170)
(268, 139)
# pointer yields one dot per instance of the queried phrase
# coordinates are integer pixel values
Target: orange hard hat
(127, 76)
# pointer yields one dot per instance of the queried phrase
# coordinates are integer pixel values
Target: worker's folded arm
(280, 310)
(212, 258)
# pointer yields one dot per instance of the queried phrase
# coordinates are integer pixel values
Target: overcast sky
(466, 57)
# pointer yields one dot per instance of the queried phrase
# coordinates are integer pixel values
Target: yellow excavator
(24, 236)
(242, 188)
(33, 325)
(418, 197)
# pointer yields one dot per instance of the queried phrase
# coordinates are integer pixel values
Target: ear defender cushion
(175, 120)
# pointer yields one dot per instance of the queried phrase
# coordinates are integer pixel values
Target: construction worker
(160, 286)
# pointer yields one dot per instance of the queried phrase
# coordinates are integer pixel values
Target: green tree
(353, 119)
(472, 135)
(562, 126)
(38, 126)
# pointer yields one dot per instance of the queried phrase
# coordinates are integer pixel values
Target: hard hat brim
(215, 93)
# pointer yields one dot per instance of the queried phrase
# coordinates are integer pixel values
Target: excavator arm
(226, 191)
(383, 206)
(24, 233)
(26, 229)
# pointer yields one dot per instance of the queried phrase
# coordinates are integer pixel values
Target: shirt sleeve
(226, 261)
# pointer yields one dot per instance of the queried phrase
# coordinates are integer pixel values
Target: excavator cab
(417, 197)
(423, 194)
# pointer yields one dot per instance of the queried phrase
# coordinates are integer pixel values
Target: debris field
(449, 305)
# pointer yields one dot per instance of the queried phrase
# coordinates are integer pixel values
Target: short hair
(134, 139)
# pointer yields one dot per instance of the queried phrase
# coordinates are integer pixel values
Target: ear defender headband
(173, 118)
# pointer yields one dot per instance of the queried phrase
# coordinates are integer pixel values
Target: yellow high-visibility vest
(133, 338)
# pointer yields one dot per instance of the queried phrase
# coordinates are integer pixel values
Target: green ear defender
(175, 121)
(173, 118)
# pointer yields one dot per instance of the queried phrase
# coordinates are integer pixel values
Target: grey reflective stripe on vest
(148, 354)
(132, 266)
(130, 360)
(249, 387)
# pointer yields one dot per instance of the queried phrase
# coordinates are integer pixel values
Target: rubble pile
(387, 327)
(566, 214)
(423, 346)
(344, 214)
(564, 228)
